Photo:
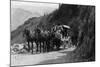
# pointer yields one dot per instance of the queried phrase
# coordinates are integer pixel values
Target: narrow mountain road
(35, 59)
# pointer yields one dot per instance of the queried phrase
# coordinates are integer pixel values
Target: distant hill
(19, 16)
(17, 35)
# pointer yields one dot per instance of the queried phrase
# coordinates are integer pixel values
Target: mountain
(17, 35)
(19, 16)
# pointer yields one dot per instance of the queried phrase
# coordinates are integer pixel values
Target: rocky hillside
(17, 35)
(19, 16)
(82, 21)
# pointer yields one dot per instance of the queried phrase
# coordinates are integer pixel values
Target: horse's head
(26, 33)
(37, 31)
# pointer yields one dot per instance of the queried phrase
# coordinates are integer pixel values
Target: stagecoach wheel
(69, 43)
(64, 44)
(58, 48)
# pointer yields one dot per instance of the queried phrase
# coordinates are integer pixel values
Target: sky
(21, 11)
(34, 6)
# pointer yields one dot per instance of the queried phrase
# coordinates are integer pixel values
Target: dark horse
(41, 40)
(45, 40)
(30, 39)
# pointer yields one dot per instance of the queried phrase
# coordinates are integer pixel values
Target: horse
(30, 38)
(45, 39)
(40, 37)
(48, 40)
(42, 40)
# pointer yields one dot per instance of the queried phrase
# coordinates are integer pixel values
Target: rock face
(82, 21)
(18, 48)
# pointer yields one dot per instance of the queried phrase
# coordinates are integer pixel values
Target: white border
(5, 33)
(82, 2)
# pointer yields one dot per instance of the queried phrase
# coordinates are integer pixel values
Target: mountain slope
(19, 16)
(81, 19)
(17, 35)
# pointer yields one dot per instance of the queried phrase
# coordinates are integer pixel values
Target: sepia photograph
(44, 33)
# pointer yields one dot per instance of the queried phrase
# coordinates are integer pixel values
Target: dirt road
(26, 59)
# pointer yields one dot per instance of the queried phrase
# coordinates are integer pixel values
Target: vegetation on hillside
(82, 21)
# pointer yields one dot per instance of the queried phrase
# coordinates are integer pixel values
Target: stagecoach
(64, 33)
(45, 41)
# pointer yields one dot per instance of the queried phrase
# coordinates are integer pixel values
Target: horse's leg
(37, 47)
(43, 47)
(28, 46)
(50, 46)
(47, 47)
(51, 43)
(40, 47)
(32, 47)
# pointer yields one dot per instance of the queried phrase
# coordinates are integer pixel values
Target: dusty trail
(24, 59)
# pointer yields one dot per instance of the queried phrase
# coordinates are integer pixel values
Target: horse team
(47, 40)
